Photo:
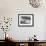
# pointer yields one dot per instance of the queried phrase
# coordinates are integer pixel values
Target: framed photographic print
(25, 20)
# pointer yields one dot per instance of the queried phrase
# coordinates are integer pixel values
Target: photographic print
(25, 20)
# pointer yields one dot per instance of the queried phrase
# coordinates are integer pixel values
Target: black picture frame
(25, 20)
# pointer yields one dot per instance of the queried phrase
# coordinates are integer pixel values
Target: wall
(11, 8)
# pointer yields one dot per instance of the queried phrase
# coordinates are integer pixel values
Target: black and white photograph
(25, 20)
